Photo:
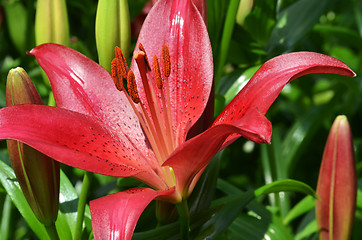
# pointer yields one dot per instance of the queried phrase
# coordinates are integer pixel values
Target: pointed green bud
(337, 184)
(244, 9)
(20, 89)
(51, 22)
(38, 175)
(113, 28)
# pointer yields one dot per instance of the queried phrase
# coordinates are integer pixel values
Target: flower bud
(244, 9)
(113, 28)
(38, 175)
(51, 22)
(337, 184)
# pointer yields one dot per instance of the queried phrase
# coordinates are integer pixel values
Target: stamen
(154, 108)
(122, 59)
(156, 67)
(117, 74)
(132, 87)
(141, 48)
(166, 62)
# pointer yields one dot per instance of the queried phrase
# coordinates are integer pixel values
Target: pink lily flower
(143, 134)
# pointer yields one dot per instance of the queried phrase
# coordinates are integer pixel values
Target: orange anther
(132, 87)
(122, 59)
(117, 74)
(141, 48)
(158, 77)
(166, 62)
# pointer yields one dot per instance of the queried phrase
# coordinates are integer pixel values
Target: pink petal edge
(115, 216)
(266, 84)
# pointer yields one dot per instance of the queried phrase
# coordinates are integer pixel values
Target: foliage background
(301, 116)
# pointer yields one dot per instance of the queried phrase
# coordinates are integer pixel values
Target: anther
(122, 59)
(157, 71)
(117, 74)
(132, 87)
(166, 62)
(141, 48)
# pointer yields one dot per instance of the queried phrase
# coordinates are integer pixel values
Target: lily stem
(184, 216)
(52, 232)
(81, 204)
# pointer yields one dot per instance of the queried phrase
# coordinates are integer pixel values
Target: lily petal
(264, 87)
(179, 25)
(75, 139)
(191, 157)
(115, 216)
(80, 84)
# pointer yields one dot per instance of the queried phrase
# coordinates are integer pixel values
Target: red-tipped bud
(38, 175)
(337, 184)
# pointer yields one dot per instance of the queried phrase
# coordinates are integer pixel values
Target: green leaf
(259, 223)
(205, 189)
(240, 82)
(68, 202)
(307, 231)
(16, 18)
(225, 215)
(293, 23)
(260, 21)
(11, 185)
(305, 205)
(299, 136)
(286, 185)
(359, 199)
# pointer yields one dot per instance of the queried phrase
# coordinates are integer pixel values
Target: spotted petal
(79, 84)
(115, 216)
(179, 25)
(75, 139)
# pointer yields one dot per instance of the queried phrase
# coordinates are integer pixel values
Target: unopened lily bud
(113, 28)
(38, 175)
(337, 184)
(244, 9)
(51, 22)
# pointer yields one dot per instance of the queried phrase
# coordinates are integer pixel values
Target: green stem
(81, 204)
(184, 215)
(52, 232)
(225, 40)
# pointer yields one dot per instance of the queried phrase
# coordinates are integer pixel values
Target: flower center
(154, 114)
